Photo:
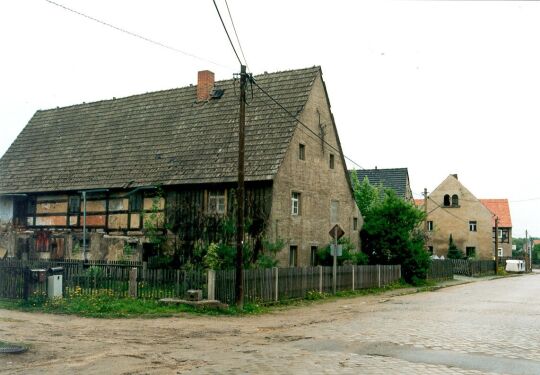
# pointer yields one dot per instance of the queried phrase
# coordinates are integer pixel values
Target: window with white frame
(430, 226)
(295, 203)
(472, 226)
(216, 202)
(500, 251)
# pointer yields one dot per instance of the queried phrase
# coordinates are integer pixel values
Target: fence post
(211, 285)
(177, 283)
(276, 284)
(353, 267)
(320, 279)
(133, 283)
(379, 274)
(144, 269)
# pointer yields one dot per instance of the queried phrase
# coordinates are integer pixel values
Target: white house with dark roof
(172, 155)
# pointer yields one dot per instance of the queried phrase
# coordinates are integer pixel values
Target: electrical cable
(135, 34)
(235, 33)
(227, 32)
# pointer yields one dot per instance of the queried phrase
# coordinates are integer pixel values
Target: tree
(366, 195)
(392, 235)
(453, 251)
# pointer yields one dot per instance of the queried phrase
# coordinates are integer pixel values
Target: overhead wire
(227, 32)
(139, 36)
(236, 34)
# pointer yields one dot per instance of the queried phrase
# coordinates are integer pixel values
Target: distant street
(484, 327)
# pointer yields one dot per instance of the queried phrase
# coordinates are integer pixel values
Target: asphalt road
(483, 327)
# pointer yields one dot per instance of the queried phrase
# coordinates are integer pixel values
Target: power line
(227, 32)
(304, 125)
(235, 33)
(135, 34)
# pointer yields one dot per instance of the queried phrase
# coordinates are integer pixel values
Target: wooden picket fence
(260, 285)
(473, 268)
(440, 270)
(274, 284)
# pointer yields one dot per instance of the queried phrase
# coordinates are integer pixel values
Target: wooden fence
(267, 285)
(441, 269)
(260, 285)
(473, 268)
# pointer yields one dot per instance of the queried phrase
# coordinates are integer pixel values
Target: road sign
(339, 250)
(336, 230)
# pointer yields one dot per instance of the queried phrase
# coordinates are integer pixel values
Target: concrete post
(276, 284)
(379, 274)
(211, 285)
(133, 283)
(353, 267)
(320, 279)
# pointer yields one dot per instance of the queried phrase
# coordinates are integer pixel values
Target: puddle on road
(468, 361)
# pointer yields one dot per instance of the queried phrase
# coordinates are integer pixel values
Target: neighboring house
(396, 179)
(453, 210)
(169, 158)
(501, 209)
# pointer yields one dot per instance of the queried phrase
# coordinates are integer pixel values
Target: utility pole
(496, 244)
(526, 250)
(425, 212)
(239, 284)
(334, 261)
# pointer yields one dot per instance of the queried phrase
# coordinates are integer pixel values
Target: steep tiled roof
(163, 137)
(419, 202)
(391, 178)
(501, 208)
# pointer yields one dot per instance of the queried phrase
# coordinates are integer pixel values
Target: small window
(293, 256)
(500, 252)
(302, 152)
(135, 202)
(455, 200)
(430, 226)
(470, 251)
(313, 256)
(331, 161)
(500, 233)
(430, 250)
(74, 204)
(446, 201)
(216, 202)
(355, 223)
(295, 203)
(334, 211)
(472, 226)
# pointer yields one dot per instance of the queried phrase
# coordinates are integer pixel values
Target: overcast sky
(438, 87)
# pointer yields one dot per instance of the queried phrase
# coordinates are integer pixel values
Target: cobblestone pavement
(484, 327)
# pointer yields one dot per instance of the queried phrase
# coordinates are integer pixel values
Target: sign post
(336, 233)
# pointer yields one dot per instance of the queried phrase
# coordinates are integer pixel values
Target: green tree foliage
(392, 235)
(453, 251)
(365, 194)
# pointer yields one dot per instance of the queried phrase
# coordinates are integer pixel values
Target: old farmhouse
(166, 162)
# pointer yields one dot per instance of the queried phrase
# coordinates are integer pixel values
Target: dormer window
(446, 201)
(455, 200)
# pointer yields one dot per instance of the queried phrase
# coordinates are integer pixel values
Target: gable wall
(317, 184)
(455, 221)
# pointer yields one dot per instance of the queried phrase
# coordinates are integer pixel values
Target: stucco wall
(317, 183)
(455, 221)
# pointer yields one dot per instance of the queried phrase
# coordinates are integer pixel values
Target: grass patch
(106, 305)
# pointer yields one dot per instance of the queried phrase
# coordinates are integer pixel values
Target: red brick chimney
(205, 84)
